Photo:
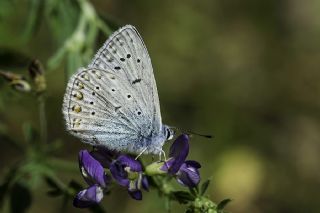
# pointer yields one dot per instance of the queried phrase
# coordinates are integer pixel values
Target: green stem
(68, 166)
(164, 189)
(167, 204)
(104, 28)
(43, 119)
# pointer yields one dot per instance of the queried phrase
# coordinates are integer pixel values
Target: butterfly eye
(169, 134)
(128, 96)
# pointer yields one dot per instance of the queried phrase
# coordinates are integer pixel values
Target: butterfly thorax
(153, 143)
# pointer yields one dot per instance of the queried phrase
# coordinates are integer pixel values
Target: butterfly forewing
(125, 53)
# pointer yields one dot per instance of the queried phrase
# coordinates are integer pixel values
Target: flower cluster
(186, 172)
(100, 166)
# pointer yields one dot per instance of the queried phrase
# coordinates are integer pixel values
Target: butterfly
(114, 102)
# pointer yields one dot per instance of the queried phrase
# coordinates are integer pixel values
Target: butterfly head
(168, 132)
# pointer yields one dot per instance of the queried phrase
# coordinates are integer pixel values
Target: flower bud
(203, 204)
(155, 169)
(37, 74)
(10, 76)
(21, 85)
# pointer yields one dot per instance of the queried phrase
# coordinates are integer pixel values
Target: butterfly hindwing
(101, 109)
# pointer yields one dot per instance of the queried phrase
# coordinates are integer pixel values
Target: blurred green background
(246, 71)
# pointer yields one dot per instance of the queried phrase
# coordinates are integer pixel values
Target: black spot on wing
(136, 81)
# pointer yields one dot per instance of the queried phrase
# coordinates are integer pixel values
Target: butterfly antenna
(202, 135)
(193, 133)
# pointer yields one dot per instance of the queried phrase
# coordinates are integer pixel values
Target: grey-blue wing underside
(114, 102)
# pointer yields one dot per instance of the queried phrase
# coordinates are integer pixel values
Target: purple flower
(104, 156)
(128, 172)
(88, 197)
(95, 176)
(186, 172)
(178, 153)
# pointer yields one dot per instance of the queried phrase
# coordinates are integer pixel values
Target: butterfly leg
(141, 153)
(164, 156)
(162, 153)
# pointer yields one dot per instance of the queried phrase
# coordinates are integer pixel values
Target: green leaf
(56, 59)
(223, 204)
(3, 192)
(204, 187)
(75, 185)
(189, 211)
(29, 133)
(52, 184)
(4, 187)
(7, 139)
(54, 193)
(62, 18)
(64, 204)
(54, 146)
(34, 18)
(73, 62)
(20, 199)
(193, 191)
(182, 196)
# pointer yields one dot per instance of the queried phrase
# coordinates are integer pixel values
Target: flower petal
(179, 151)
(145, 183)
(193, 163)
(88, 197)
(128, 161)
(92, 170)
(118, 173)
(167, 164)
(135, 194)
(188, 174)
(104, 156)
